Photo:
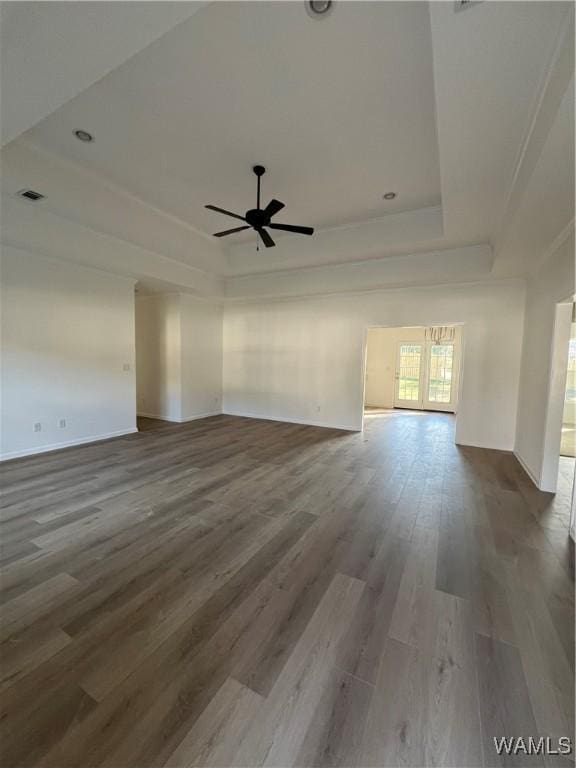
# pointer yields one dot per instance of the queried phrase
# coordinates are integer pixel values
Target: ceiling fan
(259, 218)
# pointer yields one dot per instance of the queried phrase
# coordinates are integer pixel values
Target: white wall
(67, 335)
(553, 283)
(178, 356)
(158, 357)
(381, 346)
(68, 331)
(303, 360)
(201, 334)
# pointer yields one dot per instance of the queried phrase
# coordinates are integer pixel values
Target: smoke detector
(31, 194)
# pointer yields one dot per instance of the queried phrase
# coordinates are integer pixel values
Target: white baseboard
(66, 444)
(153, 416)
(179, 421)
(324, 424)
(468, 444)
(527, 469)
(247, 415)
(202, 416)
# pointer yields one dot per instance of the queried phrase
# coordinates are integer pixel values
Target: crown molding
(555, 80)
(433, 267)
(271, 298)
(132, 260)
(556, 243)
(125, 241)
(49, 257)
(117, 188)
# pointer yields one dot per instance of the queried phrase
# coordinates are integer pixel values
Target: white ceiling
(490, 61)
(48, 53)
(410, 97)
(340, 112)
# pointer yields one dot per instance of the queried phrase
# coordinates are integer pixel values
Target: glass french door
(425, 376)
(409, 384)
(440, 384)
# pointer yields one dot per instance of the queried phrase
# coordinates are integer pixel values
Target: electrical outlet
(37, 427)
(126, 367)
(62, 423)
(318, 408)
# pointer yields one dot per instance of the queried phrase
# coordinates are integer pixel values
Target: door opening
(567, 463)
(557, 474)
(415, 368)
(568, 438)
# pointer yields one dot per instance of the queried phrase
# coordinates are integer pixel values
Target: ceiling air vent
(30, 194)
(460, 5)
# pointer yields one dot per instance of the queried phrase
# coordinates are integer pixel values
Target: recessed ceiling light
(318, 8)
(389, 196)
(84, 136)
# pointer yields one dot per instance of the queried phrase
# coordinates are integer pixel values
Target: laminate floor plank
(217, 734)
(238, 592)
(395, 726)
(276, 737)
(505, 705)
(29, 607)
(167, 694)
(547, 667)
(334, 735)
(24, 653)
(414, 604)
(366, 639)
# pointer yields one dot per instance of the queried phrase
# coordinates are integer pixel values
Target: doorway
(567, 463)
(414, 368)
(557, 395)
(558, 473)
(568, 438)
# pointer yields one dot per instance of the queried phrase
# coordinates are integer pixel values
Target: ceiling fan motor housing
(257, 218)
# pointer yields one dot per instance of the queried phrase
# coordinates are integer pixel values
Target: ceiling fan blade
(230, 231)
(273, 207)
(292, 228)
(228, 213)
(266, 239)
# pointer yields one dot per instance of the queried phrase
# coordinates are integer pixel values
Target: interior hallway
(241, 592)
